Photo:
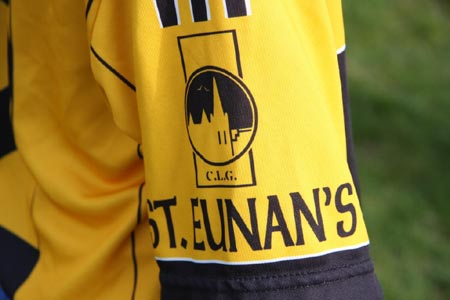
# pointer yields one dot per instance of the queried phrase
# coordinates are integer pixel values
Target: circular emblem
(221, 116)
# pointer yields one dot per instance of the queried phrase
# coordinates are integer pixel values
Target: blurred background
(398, 56)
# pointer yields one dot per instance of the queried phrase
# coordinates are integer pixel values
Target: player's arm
(246, 144)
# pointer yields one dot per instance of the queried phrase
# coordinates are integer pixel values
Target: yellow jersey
(181, 149)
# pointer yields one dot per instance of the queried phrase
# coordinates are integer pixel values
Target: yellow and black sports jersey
(180, 149)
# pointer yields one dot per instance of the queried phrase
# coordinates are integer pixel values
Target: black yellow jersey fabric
(180, 149)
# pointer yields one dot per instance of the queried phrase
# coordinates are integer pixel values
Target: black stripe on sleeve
(17, 260)
(112, 70)
(199, 10)
(167, 12)
(348, 122)
(236, 8)
(346, 275)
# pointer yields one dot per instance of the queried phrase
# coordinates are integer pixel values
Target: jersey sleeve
(109, 35)
(244, 134)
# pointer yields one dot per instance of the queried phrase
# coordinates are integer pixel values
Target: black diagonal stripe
(167, 12)
(199, 10)
(6, 2)
(114, 71)
(347, 119)
(88, 7)
(236, 8)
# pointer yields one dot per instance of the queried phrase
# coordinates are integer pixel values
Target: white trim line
(255, 262)
(226, 8)
(208, 10)
(178, 12)
(157, 13)
(342, 49)
(248, 7)
(192, 11)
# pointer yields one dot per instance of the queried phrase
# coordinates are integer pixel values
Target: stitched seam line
(256, 278)
(112, 70)
(297, 287)
(291, 287)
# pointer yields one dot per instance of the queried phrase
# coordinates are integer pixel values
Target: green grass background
(398, 56)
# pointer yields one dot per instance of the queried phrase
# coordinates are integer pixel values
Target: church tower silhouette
(212, 136)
